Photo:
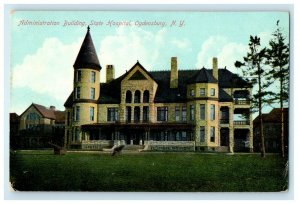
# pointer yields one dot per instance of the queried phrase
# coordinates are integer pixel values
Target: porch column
(231, 130)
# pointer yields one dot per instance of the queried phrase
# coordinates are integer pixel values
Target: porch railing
(241, 122)
(224, 121)
(242, 102)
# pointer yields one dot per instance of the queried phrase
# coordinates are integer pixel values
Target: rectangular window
(202, 133)
(212, 112)
(146, 113)
(112, 114)
(128, 114)
(212, 134)
(77, 135)
(212, 92)
(202, 111)
(92, 93)
(192, 113)
(77, 113)
(91, 113)
(192, 92)
(93, 77)
(183, 113)
(78, 76)
(77, 92)
(177, 116)
(162, 113)
(68, 119)
(202, 91)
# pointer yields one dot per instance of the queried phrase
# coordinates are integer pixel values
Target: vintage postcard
(160, 101)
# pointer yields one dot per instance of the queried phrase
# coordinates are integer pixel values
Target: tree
(253, 69)
(278, 58)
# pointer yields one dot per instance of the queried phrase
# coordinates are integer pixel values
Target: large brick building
(159, 110)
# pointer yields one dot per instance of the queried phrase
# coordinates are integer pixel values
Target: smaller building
(272, 130)
(40, 125)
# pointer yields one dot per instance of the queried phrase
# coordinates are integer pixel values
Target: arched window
(137, 96)
(128, 97)
(146, 97)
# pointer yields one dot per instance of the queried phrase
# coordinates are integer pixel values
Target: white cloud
(220, 47)
(48, 71)
(129, 45)
(181, 44)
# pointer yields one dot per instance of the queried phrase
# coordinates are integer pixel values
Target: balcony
(241, 122)
(241, 101)
(224, 121)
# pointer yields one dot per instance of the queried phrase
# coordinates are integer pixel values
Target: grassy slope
(146, 172)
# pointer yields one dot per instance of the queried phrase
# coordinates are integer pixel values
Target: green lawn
(194, 172)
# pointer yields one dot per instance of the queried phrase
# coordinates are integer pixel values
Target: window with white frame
(162, 113)
(212, 134)
(77, 92)
(92, 93)
(202, 111)
(78, 76)
(202, 133)
(212, 92)
(93, 76)
(202, 91)
(112, 114)
(192, 112)
(91, 113)
(212, 112)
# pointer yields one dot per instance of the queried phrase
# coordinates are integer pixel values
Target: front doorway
(134, 137)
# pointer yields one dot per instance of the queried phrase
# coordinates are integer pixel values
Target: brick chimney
(52, 108)
(110, 73)
(215, 67)
(174, 73)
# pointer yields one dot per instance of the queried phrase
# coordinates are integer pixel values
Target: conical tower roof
(87, 56)
(203, 76)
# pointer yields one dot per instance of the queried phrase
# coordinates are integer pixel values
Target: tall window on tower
(76, 113)
(212, 112)
(77, 92)
(92, 93)
(93, 77)
(183, 114)
(162, 113)
(91, 113)
(192, 112)
(78, 76)
(202, 111)
(212, 134)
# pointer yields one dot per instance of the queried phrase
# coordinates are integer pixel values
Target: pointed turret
(87, 56)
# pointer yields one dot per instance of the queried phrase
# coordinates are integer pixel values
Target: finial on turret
(88, 28)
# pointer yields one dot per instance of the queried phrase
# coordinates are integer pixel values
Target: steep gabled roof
(274, 116)
(202, 76)
(142, 67)
(47, 112)
(87, 56)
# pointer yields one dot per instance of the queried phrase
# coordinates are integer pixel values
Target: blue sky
(42, 56)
